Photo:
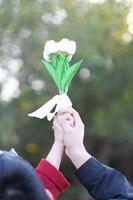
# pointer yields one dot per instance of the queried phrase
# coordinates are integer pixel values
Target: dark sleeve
(103, 182)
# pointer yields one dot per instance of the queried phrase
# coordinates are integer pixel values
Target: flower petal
(72, 48)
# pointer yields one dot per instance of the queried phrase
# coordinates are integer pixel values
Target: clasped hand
(69, 133)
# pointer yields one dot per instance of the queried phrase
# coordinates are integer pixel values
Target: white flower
(67, 46)
(51, 47)
(45, 55)
(63, 46)
(72, 47)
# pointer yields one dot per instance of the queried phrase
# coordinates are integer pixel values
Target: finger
(54, 127)
(76, 116)
(56, 124)
(64, 110)
(69, 118)
(66, 127)
(66, 116)
(72, 110)
(64, 124)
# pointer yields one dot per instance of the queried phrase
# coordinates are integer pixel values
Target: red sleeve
(52, 179)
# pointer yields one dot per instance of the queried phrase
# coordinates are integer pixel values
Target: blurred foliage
(102, 92)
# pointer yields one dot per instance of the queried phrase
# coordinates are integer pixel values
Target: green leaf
(54, 61)
(66, 67)
(60, 71)
(70, 74)
(51, 71)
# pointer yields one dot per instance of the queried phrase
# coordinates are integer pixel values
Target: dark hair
(18, 180)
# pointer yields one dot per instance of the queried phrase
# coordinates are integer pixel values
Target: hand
(73, 130)
(55, 155)
(58, 130)
(73, 138)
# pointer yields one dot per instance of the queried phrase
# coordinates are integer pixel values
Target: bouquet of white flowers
(57, 56)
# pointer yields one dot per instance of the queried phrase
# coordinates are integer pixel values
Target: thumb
(56, 124)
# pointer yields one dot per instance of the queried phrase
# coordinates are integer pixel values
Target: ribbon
(58, 101)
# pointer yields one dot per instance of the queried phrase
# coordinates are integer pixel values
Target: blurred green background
(102, 91)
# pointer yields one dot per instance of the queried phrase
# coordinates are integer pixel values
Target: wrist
(78, 155)
(58, 145)
(55, 155)
(75, 149)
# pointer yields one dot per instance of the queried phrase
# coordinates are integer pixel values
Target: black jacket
(103, 182)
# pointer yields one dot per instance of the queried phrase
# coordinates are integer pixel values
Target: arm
(102, 182)
(52, 179)
(47, 169)
(55, 155)
(73, 138)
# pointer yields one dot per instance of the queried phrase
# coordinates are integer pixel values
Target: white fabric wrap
(58, 101)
